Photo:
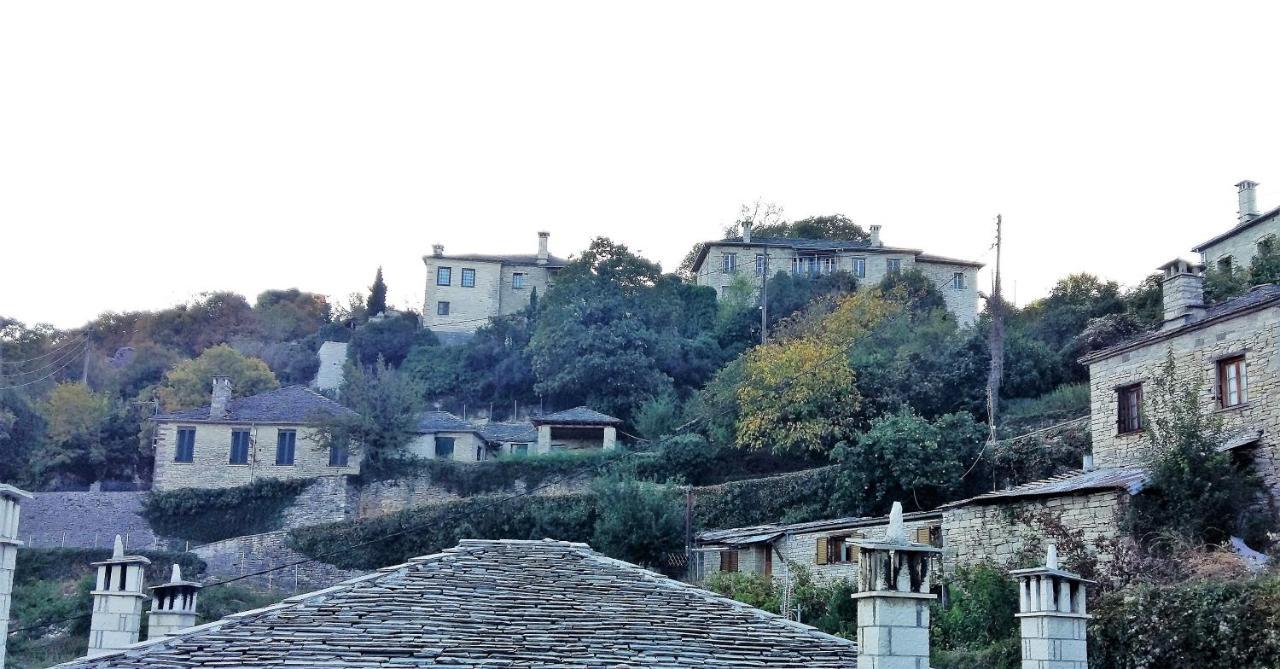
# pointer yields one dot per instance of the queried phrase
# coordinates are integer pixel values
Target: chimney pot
(746, 231)
(1183, 289)
(221, 397)
(117, 601)
(542, 247)
(1247, 193)
(875, 236)
(437, 250)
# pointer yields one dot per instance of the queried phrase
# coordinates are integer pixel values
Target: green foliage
(386, 403)
(637, 521)
(224, 600)
(796, 497)
(752, 589)
(493, 366)
(21, 434)
(1036, 455)
(471, 479)
(981, 609)
(190, 383)
(1070, 400)
(789, 293)
(1003, 654)
(389, 339)
(90, 437)
(212, 514)
(377, 295)
(289, 315)
(828, 606)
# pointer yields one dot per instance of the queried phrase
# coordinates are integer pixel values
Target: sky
(150, 151)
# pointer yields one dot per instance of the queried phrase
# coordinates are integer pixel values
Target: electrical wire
(70, 359)
(55, 350)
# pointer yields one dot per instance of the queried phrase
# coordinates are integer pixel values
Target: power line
(66, 362)
(66, 354)
(57, 349)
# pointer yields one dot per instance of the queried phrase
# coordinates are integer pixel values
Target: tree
(211, 319)
(21, 433)
(386, 403)
(90, 437)
(389, 338)
(637, 521)
(377, 295)
(190, 383)
(289, 315)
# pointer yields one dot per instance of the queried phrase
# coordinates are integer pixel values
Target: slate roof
(1259, 297)
(442, 421)
(535, 604)
(576, 416)
(742, 536)
(1130, 479)
(290, 404)
(502, 432)
(511, 259)
(1237, 229)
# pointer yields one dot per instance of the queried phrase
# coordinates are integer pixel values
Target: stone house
(237, 441)
(721, 263)
(442, 435)
(826, 548)
(576, 429)
(464, 291)
(1235, 248)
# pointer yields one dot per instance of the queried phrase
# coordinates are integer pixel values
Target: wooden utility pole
(88, 349)
(764, 301)
(996, 342)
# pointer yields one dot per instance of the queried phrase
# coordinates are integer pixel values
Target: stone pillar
(544, 439)
(10, 508)
(1051, 612)
(894, 579)
(173, 606)
(117, 602)
(610, 438)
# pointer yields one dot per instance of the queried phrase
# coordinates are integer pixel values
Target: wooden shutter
(922, 535)
(820, 557)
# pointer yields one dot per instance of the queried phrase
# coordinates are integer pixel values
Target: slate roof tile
(290, 404)
(576, 416)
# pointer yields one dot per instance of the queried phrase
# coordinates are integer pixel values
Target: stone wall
(961, 302)
(209, 467)
(988, 532)
(86, 520)
(492, 295)
(1196, 354)
(1242, 246)
(234, 558)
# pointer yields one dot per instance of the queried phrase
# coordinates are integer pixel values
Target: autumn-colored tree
(190, 383)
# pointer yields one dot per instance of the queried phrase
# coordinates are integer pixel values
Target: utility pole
(764, 300)
(688, 532)
(88, 349)
(996, 343)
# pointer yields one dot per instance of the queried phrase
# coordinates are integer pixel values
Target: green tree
(90, 436)
(386, 403)
(389, 338)
(637, 521)
(190, 383)
(290, 315)
(21, 433)
(377, 295)
(211, 319)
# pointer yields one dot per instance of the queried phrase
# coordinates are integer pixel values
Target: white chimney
(1088, 462)
(1247, 192)
(1053, 610)
(221, 397)
(1183, 289)
(542, 247)
(746, 231)
(117, 602)
(10, 506)
(173, 606)
(437, 250)
(875, 236)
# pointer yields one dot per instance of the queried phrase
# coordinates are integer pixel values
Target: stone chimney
(894, 583)
(1247, 192)
(746, 231)
(1183, 288)
(117, 602)
(875, 236)
(1051, 613)
(10, 505)
(437, 250)
(173, 606)
(542, 247)
(221, 397)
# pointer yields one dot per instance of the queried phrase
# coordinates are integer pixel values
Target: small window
(730, 263)
(1129, 409)
(468, 278)
(860, 267)
(1233, 387)
(957, 280)
(442, 308)
(759, 264)
(1224, 264)
(893, 265)
(444, 275)
(444, 448)
(338, 456)
(828, 265)
(804, 265)
(239, 447)
(519, 449)
(517, 280)
(729, 560)
(285, 442)
(186, 448)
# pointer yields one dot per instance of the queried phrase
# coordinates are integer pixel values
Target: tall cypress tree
(377, 295)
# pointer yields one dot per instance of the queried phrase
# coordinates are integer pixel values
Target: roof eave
(1119, 349)
(1238, 228)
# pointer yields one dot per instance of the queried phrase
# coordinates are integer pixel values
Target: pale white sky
(153, 150)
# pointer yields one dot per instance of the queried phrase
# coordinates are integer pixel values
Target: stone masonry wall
(961, 302)
(1243, 246)
(987, 533)
(1196, 353)
(209, 467)
(233, 558)
(85, 520)
(492, 295)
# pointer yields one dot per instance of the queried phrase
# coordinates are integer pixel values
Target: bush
(637, 521)
(1070, 400)
(797, 497)
(502, 474)
(1004, 654)
(212, 514)
(982, 604)
(753, 589)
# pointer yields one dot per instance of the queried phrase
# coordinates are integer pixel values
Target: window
(338, 456)
(729, 560)
(768, 560)
(730, 263)
(519, 449)
(285, 442)
(186, 450)
(1233, 387)
(828, 265)
(860, 267)
(835, 550)
(442, 308)
(468, 278)
(760, 264)
(444, 275)
(957, 280)
(893, 265)
(804, 265)
(239, 447)
(1129, 411)
(1224, 264)
(444, 447)
(517, 280)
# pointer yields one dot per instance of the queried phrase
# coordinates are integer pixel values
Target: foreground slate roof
(290, 404)
(506, 603)
(744, 536)
(1129, 479)
(576, 416)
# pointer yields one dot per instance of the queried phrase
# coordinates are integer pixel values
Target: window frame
(729, 560)
(518, 280)
(289, 448)
(453, 448)
(1223, 368)
(237, 436)
(760, 264)
(860, 268)
(730, 261)
(892, 265)
(190, 450)
(958, 280)
(1129, 409)
(339, 456)
(444, 276)
(467, 272)
(521, 448)
(442, 308)
(1225, 264)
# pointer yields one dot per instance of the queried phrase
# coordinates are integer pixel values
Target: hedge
(792, 498)
(213, 514)
(502, 474)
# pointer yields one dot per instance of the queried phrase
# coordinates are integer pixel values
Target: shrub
(502, 474)
(637, 521)
(797, 497)
(982, 604)
(753, 589)
(213, 514)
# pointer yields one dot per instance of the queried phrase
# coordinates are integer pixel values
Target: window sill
(1134, 433)
(183, 462)
(282, 464)
(1234, 407)
(237, 464)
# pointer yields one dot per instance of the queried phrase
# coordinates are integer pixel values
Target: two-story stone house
(1235, 248)
(720, 264)
(464, 291)
(237, 441)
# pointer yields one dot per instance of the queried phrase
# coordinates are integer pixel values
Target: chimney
(1088, 462)
(437, 250)
(221, 397)
(173, 606)
(1183, 288)
(1052, 615)
(542, 247)
(894, 583)
(1247, 192)
(875, 236)
(10, 504)
(746, 231)
(117, 602)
